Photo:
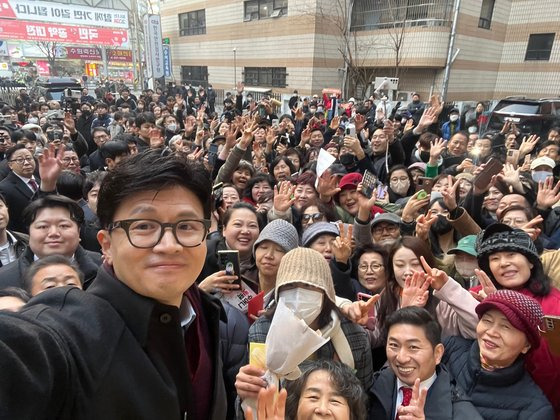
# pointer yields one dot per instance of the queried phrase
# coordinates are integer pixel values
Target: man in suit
(414, 351)
(19, 186)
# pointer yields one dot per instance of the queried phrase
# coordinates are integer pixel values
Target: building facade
(501, 47)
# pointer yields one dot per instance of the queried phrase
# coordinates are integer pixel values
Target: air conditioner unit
(403, 96)
(276, 13)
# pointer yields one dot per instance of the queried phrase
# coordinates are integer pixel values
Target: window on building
(265, 76)
(263, 9)
(370, 15)
(486, 12)
(192, 23)
(539, 47)
(196, 75)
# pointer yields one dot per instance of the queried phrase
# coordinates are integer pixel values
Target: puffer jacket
(503, 394)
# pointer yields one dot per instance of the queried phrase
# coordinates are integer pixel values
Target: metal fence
(382, 14)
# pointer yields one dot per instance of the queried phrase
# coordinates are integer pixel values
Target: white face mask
(400, 187)
(453, 118)
(172, 127)
(304, 303)
(466, 268)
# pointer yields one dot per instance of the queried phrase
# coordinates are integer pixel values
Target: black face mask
(86, 113)
(348, 160)
(442, 225)
(425, 156)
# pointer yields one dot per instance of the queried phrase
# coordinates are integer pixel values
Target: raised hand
(547, 195)
(268, 406)
(465, 165)
(449, 193)
(284, 196)
(359, 311)
(436, 104)
(429, 116)
(389, 130)
(240, 88)
(365, 204)
(528, 144)
(219, 282)
(415, 292)
(327, 187)
(531, 229)
(413, 207)
(299, 114)
(414, 410)
(335, 123)
(437, 278)
(423, 225)
(69, 122)
(50, 167)
(511, 176)
(342, 245)
(360, 122)
(409, 125)
(249, 382)
(305, 137)
(487, 285)
(438, 146)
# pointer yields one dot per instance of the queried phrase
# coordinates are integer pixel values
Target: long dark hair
(389, 301)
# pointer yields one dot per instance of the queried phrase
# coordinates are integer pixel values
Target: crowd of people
(368, 261)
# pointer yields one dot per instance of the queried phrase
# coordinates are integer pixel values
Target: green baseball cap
(466, 245)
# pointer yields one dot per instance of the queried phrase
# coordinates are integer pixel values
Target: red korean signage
(36, 31)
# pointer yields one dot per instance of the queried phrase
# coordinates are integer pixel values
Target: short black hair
(22, 134)
(46, 262)
(149, 171)
(102, 105)
(420, 317)
(112, 149)
(53, 201)
(10, 152)
(343, 379)
(99, 128)
(144, 117)
(70, 184)
(93, 178)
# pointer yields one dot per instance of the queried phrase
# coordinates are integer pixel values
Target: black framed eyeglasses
(21, 160)
(147, 233)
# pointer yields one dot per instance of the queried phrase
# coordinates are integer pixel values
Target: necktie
(33, 184)
(407, 396)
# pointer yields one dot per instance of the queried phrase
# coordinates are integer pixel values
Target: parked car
(535, 116)
(56, 88)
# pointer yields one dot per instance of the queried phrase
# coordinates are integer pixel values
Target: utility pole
(234, 67)
(450, 57)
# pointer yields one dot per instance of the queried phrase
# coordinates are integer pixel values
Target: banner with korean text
(67, 14)
(36, 31)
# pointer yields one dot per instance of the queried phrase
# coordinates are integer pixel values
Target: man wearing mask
(542, 168)
(449, 128)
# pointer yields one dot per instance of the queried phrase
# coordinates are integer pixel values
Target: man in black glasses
(20, 185)
(142, 342)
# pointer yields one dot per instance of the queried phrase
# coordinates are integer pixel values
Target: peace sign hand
(423, 225)
(487, 286)
(342, 245)
(449, 193)
(531, 229)
(414, 410)
(437, 278)
(359, 311)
